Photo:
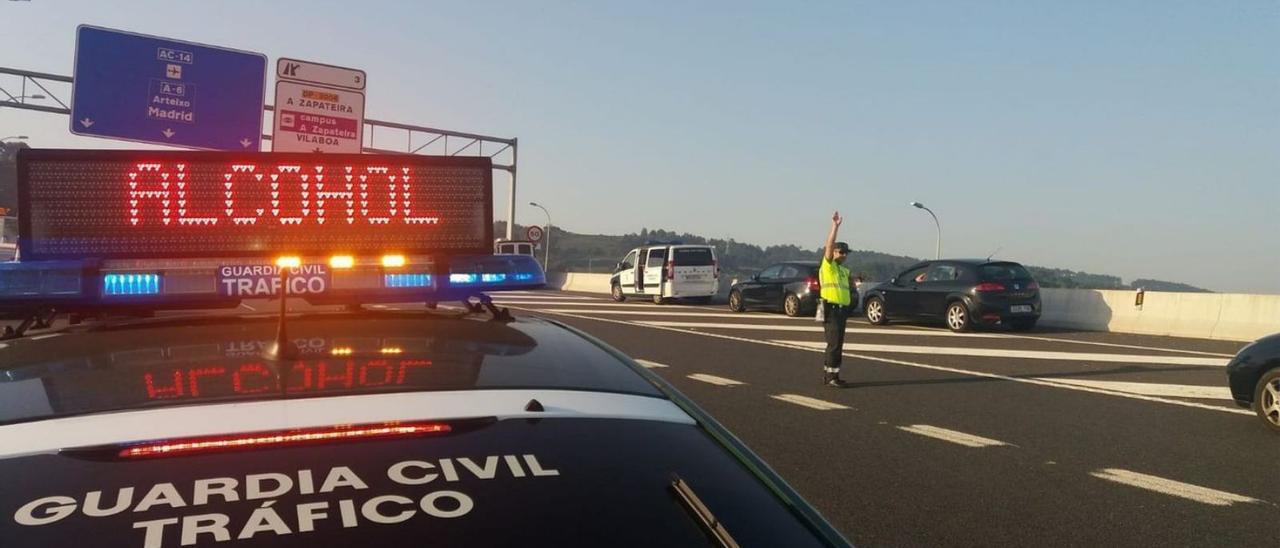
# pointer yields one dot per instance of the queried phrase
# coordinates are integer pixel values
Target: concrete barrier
(1223, 316)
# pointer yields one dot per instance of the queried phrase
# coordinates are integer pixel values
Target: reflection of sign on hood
(234, 368)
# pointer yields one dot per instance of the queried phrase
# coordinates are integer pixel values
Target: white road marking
(967, 440)
(815, 329)
(650, 364)
(549, 302)
(652, 311)
(247, 307)
(3, 345)
(48, 336)
(1022, 354)
(1170, 487)
(812, 403)
(1155, 389)
(712, 379)
(981, 374)
(522, 296)
(1075, 341)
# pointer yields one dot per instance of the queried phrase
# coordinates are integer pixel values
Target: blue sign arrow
(142, 88)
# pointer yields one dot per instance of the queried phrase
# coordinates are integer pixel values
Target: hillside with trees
(574, 252)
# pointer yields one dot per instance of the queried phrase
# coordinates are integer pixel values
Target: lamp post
(938, 251)
(18, 137)
(546, 257)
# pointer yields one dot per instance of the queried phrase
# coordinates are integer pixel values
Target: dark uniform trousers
(833, 324)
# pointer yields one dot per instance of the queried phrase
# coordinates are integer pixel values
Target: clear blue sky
(1135, 138)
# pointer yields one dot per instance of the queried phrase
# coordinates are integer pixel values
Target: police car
(329, 425)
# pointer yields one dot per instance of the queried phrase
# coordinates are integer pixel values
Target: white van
(513, 247)
(667, 271)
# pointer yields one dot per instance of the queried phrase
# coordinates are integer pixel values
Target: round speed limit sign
(534, 233)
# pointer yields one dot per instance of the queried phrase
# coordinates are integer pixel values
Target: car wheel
(1266, 400)
(735, 302)
(616, 293)
(791, 305)
(875, 311)
(657, 299)
(958, 317)
(1022, 325)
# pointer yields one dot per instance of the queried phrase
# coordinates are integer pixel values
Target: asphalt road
(1048, 438)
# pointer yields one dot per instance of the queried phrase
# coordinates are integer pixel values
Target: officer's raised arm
(829, 252)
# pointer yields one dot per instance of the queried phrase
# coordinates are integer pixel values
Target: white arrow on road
(86, 122)
(167, 133)
(245, 143)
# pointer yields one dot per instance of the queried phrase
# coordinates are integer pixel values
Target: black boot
(833, 380)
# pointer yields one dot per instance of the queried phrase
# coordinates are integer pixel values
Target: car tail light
(989, 286)
(671, 269)
(284, 438)
(813, 283)
(715, 269)
(1033, 285)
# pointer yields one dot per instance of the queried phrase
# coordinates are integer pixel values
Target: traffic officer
(837, 302)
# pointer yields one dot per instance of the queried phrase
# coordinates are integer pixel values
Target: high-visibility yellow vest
(834, 279)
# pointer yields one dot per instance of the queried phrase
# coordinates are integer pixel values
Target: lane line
(812, 403)
(953, 436)
(1022, 354)
(903, 330)
(650, 364)
(918, 365)
(546, 297)
(1157, 389)
(712, 379)
(48, 336)
(250, 308)
(548, 302)
(1165, 486)
(1075, 341)
(815, 329)
(571, 311)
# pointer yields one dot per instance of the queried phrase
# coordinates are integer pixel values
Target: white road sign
(318, 108)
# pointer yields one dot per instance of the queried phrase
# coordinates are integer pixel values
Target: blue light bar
(130, 284)
(496, 272)
(406, 280)
(463, 279)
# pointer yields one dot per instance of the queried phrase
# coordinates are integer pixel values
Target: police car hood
(203, 361)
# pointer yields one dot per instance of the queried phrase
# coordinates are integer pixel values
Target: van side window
(629, 261)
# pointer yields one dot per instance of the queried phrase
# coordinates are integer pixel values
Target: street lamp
(938, 252)
(546, 257)
(18, 137)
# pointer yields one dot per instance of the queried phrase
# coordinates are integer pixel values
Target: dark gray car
(962, 293)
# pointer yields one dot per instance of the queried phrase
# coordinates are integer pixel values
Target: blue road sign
(156, 90)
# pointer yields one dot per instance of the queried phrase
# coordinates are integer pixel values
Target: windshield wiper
(710, 525)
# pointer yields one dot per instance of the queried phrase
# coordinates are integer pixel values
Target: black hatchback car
(1254, 377)
(791, 287)
(962, 293)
